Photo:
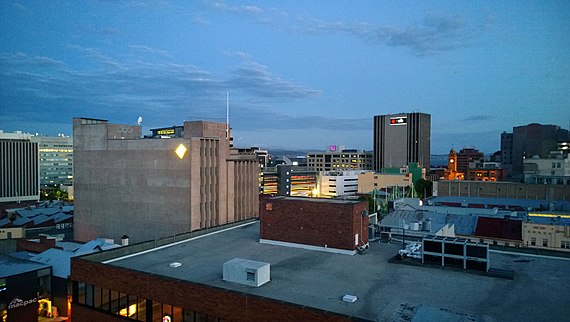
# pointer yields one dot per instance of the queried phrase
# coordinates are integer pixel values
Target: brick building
(335, 225)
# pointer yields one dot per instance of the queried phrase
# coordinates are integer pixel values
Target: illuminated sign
(18, 302)
(181, 151)
(401, 120)
(333, 148)
(166, 318)
(169, 131)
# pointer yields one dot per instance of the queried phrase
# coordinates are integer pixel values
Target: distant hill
(437, 160)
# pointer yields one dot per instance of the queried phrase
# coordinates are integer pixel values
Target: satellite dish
(139, 121)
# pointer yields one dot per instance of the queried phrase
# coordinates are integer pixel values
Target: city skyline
(300, 75)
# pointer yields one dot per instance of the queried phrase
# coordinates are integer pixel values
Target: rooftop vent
(246, 272)
(175, 264)
(349, 298)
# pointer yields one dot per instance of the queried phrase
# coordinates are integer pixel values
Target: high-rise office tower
(56, 160)
(400, 139)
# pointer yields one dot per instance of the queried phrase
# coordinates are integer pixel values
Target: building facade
(56, 160)
(337, 158)
(466, 156)
(369, 181)
(338, 183)
(19, 168)
(290, 180)
(491, 189)
(527, 141)
(400, 139)
(552, 170)
(150, 187)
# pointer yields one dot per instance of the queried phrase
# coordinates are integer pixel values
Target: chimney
(125, 240)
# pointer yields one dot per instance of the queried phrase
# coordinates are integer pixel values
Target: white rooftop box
(246, 272)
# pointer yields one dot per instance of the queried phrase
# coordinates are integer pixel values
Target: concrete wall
(368, 181)
(317, 222)
(487, 189)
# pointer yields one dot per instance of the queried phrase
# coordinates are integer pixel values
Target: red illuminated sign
(398, 120)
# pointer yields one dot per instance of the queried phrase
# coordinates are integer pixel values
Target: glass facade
(134, 307)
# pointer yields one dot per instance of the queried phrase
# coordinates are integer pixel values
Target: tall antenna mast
(228, 115)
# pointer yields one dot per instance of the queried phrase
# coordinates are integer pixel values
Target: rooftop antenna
(227, 115)
(139, 121)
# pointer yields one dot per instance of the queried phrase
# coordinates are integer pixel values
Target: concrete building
(369, 181)
(19, 168)
(151, 187)
(527, 141)
(484, 171)
(400, 139)
(185, 283)
(552, 170)
(492, 189)
(56, 160)
(332, 184)
(337, 158)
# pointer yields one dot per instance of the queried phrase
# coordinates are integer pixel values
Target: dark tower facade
(400, 139)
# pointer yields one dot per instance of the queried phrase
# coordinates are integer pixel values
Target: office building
(332, 184)
(527, 141)
(56, 160)
(162, 185)
(186, 283)
(400, 139)
(19, 168)
(337, 158)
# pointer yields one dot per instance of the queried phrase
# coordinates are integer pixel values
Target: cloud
(257, 80)
(149, 50)
(435, 35)
(478, 118)
(42, 88)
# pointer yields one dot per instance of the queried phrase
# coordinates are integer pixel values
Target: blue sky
(301, 74)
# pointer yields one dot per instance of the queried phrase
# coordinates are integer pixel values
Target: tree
(423, 188)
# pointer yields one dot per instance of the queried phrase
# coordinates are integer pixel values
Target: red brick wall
(225, 304)
(313, 223)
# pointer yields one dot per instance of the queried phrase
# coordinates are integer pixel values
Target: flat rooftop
(385, 291)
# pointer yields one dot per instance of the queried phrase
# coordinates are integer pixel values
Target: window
(533, 241)
(250, 276)
(565, 244)
(544, 242)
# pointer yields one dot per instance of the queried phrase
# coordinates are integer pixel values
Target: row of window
(563, 244)
(134, 307)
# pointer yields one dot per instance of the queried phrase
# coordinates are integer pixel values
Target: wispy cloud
(478, 118)
(150, 50)
(257, 80)
(433, 35)
(41, 87)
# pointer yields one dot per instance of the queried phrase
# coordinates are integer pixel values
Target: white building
(553, 170)
(338, 183)
(19, 168)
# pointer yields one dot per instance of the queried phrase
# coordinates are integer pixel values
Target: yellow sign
(181, 151)
(165, 132)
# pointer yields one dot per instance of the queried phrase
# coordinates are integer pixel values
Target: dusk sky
(301, 74)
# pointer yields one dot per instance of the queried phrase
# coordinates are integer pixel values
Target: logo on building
(18, 302)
